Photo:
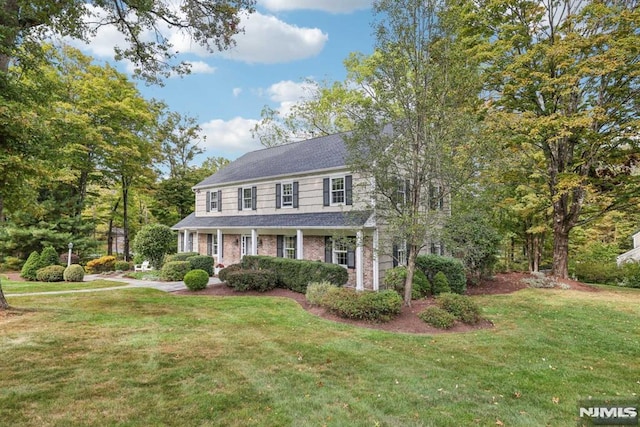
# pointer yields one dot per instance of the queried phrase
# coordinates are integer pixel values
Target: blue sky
(285, 42)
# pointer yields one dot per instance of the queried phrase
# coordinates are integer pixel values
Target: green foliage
(181, 256)
(452, 268)
(395, 278)
(175, 270)
(316, 291)
(460, 306)
(12, 263)
(154, 241)
(437, 317)
(101, 265)
(73, 273)
(49, 256)
(202, 262)
(440, 283)
(295, 274)
(123, 265)
(222, 274)
(596, 263)
(630, 275)
(196, 280)
(50, 273)
(31, 266)
(252, 280)
(363, 305)
(64, 257)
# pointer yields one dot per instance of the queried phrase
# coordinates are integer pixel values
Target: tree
(153, 242)
(422, 82)
(563, 79)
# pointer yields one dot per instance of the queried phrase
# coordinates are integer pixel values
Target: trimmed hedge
(201, 262)
(182, 256)
(452, 268)
(175, 270)
(372, 306)
(252, 280)
(73, 273)
(295, 274)
(437, 317)
(222, 274)
(196, 280)
(50, 273)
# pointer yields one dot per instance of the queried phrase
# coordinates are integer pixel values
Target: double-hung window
(337, 190)
(214, 201)
(340, 252)
(289, 247)
(287, 194)
(212, 244)
(246, 198)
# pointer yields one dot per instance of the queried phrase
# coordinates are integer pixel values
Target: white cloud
(200, 67)
(237, 91)
(229, 138)
(288, 93)
(332, 6)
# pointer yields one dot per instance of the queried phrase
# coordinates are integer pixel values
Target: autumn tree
(563, 78)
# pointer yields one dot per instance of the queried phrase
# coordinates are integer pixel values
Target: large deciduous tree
(563, 78)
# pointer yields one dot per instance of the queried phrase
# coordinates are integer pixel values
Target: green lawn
(11, 287)
(140, 357)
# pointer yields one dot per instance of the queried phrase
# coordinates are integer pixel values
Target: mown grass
(12, 287)
(139, 357)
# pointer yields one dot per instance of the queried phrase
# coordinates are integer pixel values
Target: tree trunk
(125, 218)
(4, 305)
(110, 230)
(411, 268)
(560, 252)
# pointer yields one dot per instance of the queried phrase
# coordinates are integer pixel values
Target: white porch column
(359, 262)
(219, 250)
(196, 242)
(299, 246)
(376, 264)
(180, 235)
(254, 241)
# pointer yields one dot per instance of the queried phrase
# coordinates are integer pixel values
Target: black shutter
(219, 200)
(295, 194)
(327, 249)
(254, 197)
(278, 196)
(240, 198)
(325, 192)
(395, 255)
(347, 190)
(221, 247)
(351, 258)
(279, 246)
(208, 201)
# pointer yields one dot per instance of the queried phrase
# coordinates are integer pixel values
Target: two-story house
(294, 201)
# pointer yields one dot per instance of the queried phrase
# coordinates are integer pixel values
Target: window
(337, 190)
(340, 253)
(289, 247)
(246, 198)
(287, 194)
(214, 201)
(436, 198)
(212, 244)
(189, 242)
(400, 254)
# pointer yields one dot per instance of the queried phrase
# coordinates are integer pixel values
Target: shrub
(452, 268)
(630, 275)
(437, 317)
(316, 291)
(12, 263)
(395, 278)
(181, 256)
(460, 306)
(73, 273)
(222, 274)
(50, 273)
(296, 274)
(605, 273)
(175, 270)
(372, 306)
(440, 284)
(122, 265)
(101, 265)
(252, 280)
(31, 266)
(49, 256)
(64, 258)
(201, 262)
(196, 280)
(153, 241)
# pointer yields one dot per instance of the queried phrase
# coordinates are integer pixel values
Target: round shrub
(316, 291)
(49, 256)
(460, 306)
(440, 284)
(50, 273)
(101, 265)
(222, 274)
(373, 306)
(73, 273)
(175, 270)
(437, 317)
(452, 268)
(196, 280)
(201, 262)
(122, 265)
(252, 280)
(395, 278)
(30, 268)
(64, 258)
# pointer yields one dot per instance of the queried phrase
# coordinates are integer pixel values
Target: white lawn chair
(143, 267)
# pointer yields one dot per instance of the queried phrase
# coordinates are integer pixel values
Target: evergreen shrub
(452, 268)
(73, 273)
(437, 317)
(175, 270)
(49, 256)
(101, 265)
(123, 265)
(460, 306)
(316, 291)
(30, 268)
(363, 305)
(201, 262)
(222, 274)
(395, 278)
(252, 280)
(181, 256)
(50, 273)
(440, 284)
(196, 280)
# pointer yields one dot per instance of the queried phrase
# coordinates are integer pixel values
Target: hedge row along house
(297, 200)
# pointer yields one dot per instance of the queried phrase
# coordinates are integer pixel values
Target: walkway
(130, 283)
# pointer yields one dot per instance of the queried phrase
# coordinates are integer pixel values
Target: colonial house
(294, 201)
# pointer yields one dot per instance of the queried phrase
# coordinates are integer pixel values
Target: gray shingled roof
(299, 220)
(320, 153)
